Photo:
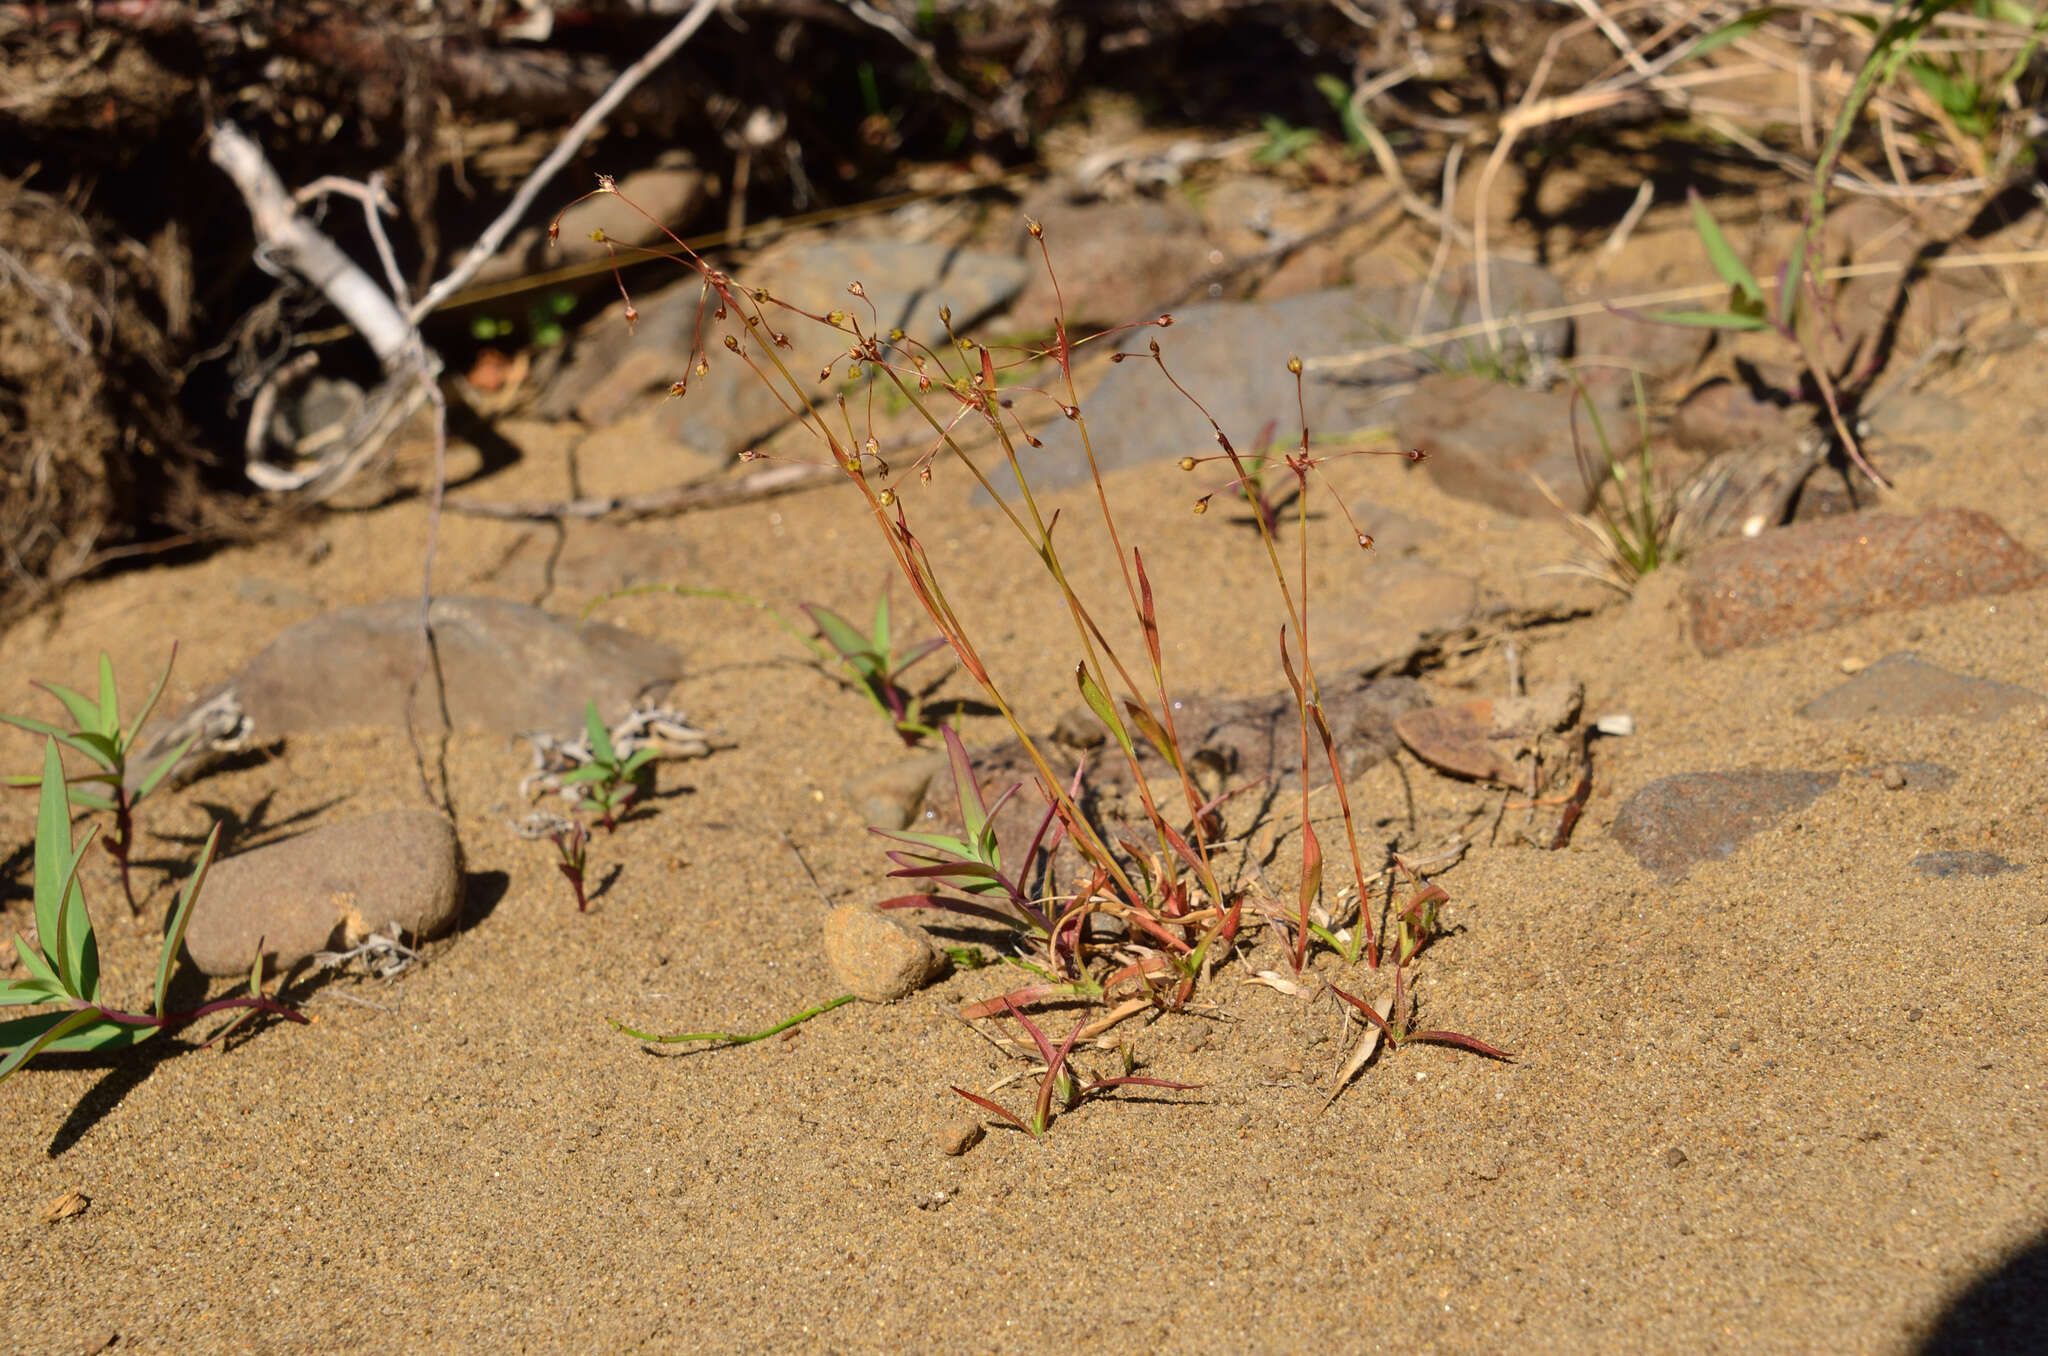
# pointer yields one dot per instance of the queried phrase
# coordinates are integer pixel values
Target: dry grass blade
(1361, 1053)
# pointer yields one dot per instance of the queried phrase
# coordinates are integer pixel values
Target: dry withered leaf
(65, 1206)
(1361, 1053)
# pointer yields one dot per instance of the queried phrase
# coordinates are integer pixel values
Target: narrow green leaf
(110, 700)
(973, 812)
(84, 710)
(128, 736)
(62, 736)
(100, 748)
(1105, 710)
(53, 856)
(157, 773)
(32, 1034)
(90, 800)
(17, 991)
(38, 966)
(79, 962)
(589, 772)
(87, 1036)
(1733, 31)
(638, 761)
(182, 915)
(600, 738)
(1311, 868)
(1726, 262)
(881, 627)
(1155, 733)
(838, 632)
(1717, 320)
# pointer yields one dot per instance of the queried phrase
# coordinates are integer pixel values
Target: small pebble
(1894, 779)
(1674, 1156)
(957, 1136)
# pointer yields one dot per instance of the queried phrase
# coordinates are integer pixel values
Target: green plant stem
(731, 1038)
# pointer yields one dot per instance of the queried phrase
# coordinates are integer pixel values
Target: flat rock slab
(729, 408)
(1943, 865)
(1488, 441)
(507, 668)
(326, 890)
(1232, 356)
(1903, 686)
(1810, 576)
(1675, 823)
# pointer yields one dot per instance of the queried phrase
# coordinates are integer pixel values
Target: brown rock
(326, 889)
(1724, 417)
(1814, 575)
(1488, 740)
(1409, 603)
(878, 956)
(1117, 262)
(957, 1136)
(1489, 441)
(1676, 822)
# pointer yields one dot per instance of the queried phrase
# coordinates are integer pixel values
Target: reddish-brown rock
(1809, 576)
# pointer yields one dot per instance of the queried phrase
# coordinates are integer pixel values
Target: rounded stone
(957, 1136)
(327, 889)
(878, 957)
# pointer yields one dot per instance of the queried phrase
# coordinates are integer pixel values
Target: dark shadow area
(238, 832)
(2003, 1313)
(482, 891)
(129, 1067)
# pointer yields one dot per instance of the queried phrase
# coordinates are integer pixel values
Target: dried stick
(716, 493)
(572, 141)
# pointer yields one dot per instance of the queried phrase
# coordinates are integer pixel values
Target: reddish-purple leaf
(1477, 1047)
(996, 1107)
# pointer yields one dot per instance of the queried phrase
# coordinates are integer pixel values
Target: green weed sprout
(875, 669)
(101, 737)
(1638, 534)
(868, 663)
(613, 784)
(64, 964)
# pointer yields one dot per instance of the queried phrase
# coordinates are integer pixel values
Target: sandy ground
(1793, 1102)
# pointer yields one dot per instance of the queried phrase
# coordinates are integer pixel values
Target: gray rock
(1943, 865)
(889, 796)
(1116, 262)
(1232, 356)
(327, 889)
(507, 668)
(877, 956)
(1491, 442)
(1903, 686)
(1676, 822)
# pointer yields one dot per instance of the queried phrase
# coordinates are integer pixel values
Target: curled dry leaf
(65, 1206)
(1273, 979)
(1361, 1053)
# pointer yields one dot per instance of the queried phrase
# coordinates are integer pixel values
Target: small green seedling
(64, 964)
(613, 784)
(1058, 1081)
(871, 663)
(101, 737)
